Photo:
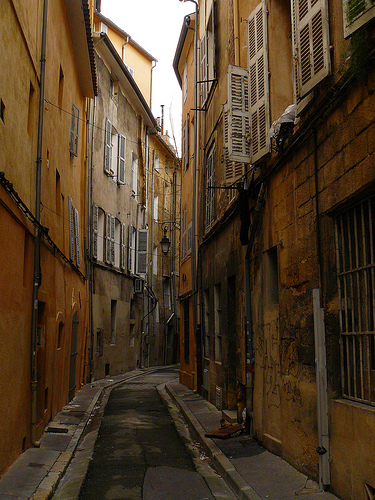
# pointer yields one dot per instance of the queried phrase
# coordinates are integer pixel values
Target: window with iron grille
(355, 240)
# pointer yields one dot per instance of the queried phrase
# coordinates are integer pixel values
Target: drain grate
(57, 430)
(36, 465)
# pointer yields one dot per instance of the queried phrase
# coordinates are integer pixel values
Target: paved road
(138, 454)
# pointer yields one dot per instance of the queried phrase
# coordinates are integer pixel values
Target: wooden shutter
(95, 223)
(108, 238)
(76, 237)
(121, 159)
(142, 235)
(108, 147)
(203, 69)
(258, 82)
(236, 119)
(186, 144)
(183, 235)
(131, 249)
(71, 229)
(112, 238)
(311, 37)
(123, 246)
(74, 127)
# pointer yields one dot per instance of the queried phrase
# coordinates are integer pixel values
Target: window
(272, 277)
(355, 230)
(258, 82)
(356, 14)
(207, 57)
(217, 322)
(74, 127)
(236, 124)
(123, 246)
(117, 243)
(157, 164)
(310, 38)
(134, 175)
(121, 159)
(108, 147)
(95, 227)
(155, 260)
(131, 70)
(109, 239)
(131, 251)
(183, 235)
(186, 144)
(210, 181)
(190, 237)
(103, 28)
(142, 259)
(74, 244)
(99, 342)
(185, 82)
(2, 110)
(61, 88)
(206, 333)
(167, 292)
(186, 331)
(156, 208)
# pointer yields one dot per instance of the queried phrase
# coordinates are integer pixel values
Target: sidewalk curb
(223, 465)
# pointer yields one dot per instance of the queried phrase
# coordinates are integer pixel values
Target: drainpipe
(92, 110)
(37, 271)
(249, 330)
(236, 33)
(320, 348)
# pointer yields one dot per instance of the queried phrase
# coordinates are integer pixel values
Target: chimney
(98, 5)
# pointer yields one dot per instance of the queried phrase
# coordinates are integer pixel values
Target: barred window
(210, 182)
(355, 240)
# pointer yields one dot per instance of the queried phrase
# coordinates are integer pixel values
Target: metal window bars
(355, 243)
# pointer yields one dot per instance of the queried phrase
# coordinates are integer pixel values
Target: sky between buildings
(156, 26)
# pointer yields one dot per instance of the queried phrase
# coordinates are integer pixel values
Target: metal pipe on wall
(37, 271)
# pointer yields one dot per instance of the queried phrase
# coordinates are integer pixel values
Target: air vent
(138, 285)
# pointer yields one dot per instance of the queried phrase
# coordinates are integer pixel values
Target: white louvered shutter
(258, 82)
(95, 222)
(108, 238)
(112, 237)
(71, 229)
(142, 235)
(131, 249)
(203, 69)
(123, 246)
(121, 159)
(312, 57)
(76, 237)
(236, 120)
(108, 147)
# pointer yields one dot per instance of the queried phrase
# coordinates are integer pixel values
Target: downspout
(92, 110)
(236, 33)
(194, 210)
(37, 271)
(320, 347)
(249, 329)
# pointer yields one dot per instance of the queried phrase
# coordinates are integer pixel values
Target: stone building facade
(285, 228)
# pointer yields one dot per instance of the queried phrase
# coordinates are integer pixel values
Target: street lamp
(165, 242)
